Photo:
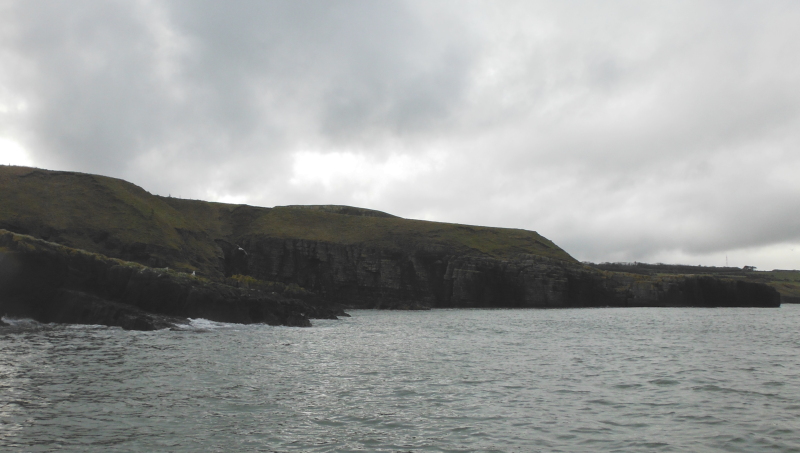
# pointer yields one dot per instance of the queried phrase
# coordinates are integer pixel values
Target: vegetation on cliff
(786, 282)
(102, 215)
(285, 264)
(54, 283)
(116, 218)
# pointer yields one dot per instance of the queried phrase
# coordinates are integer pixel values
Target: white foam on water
(89, 326)
(21, 322)
(206, 324)
(25, 324)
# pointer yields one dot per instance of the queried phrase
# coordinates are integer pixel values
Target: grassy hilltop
(287, 263)
(102, 215)
(119, 219)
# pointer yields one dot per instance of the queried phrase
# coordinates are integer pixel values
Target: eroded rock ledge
(119, 255)
(422, 275)
(53, 283)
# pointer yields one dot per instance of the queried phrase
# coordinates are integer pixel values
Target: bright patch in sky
(338, 170)
(11, 153)
(226, 198)
(766, 258)
(665, 132)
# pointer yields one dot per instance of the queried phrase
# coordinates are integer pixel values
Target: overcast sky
(622, 130)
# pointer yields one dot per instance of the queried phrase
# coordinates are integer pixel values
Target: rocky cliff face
(53, 283)
(343, 255)
(420, 277)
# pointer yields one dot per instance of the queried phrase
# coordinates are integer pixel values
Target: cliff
(53, 283)
(338, 254)
(786, 282)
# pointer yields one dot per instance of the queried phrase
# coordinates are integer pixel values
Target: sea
(572, 380)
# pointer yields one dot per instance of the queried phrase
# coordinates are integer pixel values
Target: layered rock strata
(53, 283)
(423, 277)
(98, 228)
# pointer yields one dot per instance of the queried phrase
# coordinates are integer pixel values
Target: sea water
(616, 379)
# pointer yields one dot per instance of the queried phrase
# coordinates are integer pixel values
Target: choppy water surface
(445, 380)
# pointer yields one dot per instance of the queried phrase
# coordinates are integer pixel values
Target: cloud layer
(622, 131)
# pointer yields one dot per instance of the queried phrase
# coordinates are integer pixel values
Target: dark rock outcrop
(435, 277)
(285, 265)
(53, 283)
(790, 299)
(75, 307)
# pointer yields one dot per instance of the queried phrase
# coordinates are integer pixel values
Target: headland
(92, 249)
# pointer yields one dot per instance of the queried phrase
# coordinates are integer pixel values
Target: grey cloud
(243, 78)
(621, 130)
(347, 66)
(86, 82)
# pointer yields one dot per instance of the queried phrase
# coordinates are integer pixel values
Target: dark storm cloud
(621, 130)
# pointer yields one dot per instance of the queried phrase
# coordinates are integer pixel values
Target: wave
(21, 322)
(201, 324)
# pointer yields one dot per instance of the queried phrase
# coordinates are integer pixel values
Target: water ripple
(627, 380)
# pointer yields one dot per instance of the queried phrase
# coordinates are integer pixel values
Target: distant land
(86, 248)
(786, 281)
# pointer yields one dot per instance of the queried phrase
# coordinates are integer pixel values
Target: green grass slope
(348, 225)
(787, 282)
(119, 219)
(103, 215)
(398, 233)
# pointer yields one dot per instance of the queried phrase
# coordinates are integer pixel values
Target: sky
(621, 130)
